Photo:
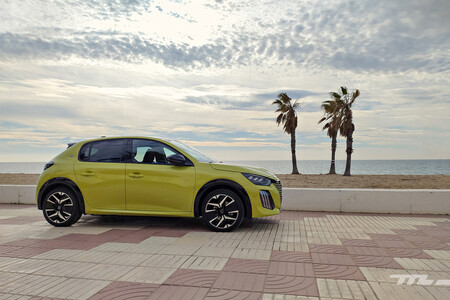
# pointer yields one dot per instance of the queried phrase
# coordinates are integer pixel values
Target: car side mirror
(177, 160)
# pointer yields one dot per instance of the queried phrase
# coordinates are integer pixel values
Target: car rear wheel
(222, 210)
(61, 207)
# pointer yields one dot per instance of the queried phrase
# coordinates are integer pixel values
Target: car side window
(150, 152)
(103, 151)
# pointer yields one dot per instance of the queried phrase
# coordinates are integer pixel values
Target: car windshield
(201, 157)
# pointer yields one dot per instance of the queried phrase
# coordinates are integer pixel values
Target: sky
(206, 73)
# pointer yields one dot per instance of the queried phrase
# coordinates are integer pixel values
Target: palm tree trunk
(333, 153)
(349, 150)
(294, 158)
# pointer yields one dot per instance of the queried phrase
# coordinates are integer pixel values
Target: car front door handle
(88, 173)
(136, 175)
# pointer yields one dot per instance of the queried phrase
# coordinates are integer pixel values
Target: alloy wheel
(59, 207)
(222, 211)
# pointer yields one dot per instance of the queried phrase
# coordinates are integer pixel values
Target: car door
(100, 173)
(153, 184)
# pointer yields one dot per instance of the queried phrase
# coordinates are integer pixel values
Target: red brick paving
(331, 249)
(374, 251)
(125, 290)
(332, 259)
(291, 268)
(338, 272)
(240, 281)
(376, 261)
(291, 256)
(247, 266)
(290, 285)
(359, 243)
(199, 278)
(220, 294)
(167, 292)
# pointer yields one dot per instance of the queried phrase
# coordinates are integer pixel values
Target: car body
(152, 177)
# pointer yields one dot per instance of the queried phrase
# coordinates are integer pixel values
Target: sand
(317, 181)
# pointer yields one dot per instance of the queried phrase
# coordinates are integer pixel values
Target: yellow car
(144, 176)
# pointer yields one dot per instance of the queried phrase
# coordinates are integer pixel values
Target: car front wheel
(222, 210)
(61, 207)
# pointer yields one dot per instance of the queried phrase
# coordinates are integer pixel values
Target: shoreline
(311, 181)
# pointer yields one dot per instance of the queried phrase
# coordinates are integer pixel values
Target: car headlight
(258, 180)
(48, 165)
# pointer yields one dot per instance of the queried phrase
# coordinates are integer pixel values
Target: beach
(314, 181)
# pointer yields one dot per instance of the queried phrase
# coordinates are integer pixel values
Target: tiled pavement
(295, 255)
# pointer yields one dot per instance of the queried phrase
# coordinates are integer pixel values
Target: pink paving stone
(6, 249)
(246, 266)
(376, 261)
(375, 251)
(332, 249)
(219, 294)
(52, 244)
(199, 278)
(291, 269)
(125, 290)
(292, 256)
(173, 292)
(359, 243)
(240, 281)
(338, 272)
(407, 253)
(171, 232)
(332, 259)
(385, 237)
(395, 244)
(44, 298)
(426, 245)
(291, 285)
(403, 232)
(420, 238)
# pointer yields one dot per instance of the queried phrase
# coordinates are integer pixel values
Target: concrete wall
(19, 194)
(333, 200)
(368, 200)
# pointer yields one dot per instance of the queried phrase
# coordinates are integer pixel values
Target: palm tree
(288, 117)
(331, 109)
(345, 101)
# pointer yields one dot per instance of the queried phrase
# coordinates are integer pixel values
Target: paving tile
(247, 266)
(240, 281)
(344, 289)
(338, 259)
(438, 254)
(337, 272)
(291, 285)
(426, 245)
(291, 256)
(420, 238)
(251, 253)
(169, 292)
(267, 296)
(219, 294)
(291, 269)
(148, 274)
(167, 261)
(407, 252)
(120, 290)
(216, 252)
(385, 237)
(359, 243)
(204, 263)
(376, 261)
(331, 249)
(199, 278)
(394, 244)
(375, 251)
(4, 296)
(392, 291)
(25, 252)
(423, 264)
(179, 250)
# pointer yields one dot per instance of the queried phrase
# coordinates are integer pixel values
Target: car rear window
(103, 151)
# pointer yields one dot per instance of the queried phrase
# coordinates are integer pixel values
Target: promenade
(295, 255)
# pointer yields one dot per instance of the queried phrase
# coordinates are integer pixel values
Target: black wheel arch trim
(60, 181)
(222, 183)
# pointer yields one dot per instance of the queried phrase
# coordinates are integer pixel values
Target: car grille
(280, 189)
(266, 199)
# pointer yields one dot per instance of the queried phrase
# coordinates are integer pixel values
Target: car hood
(244, 169)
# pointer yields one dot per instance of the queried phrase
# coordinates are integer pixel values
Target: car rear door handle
(88, 173)
(136, 175)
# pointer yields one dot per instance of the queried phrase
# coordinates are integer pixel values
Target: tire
(61, 207)
(222, 210)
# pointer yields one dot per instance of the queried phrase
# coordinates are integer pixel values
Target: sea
(367, 167)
